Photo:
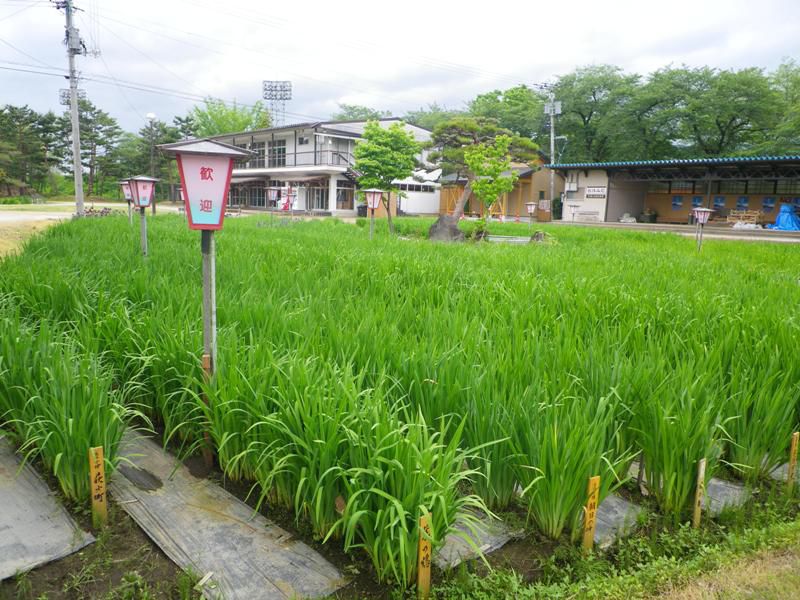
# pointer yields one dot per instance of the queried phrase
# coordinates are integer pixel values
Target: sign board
(142, 193)
(596, 192)
(126, 191)
(206, 179)
(544, 205)
(590, 512)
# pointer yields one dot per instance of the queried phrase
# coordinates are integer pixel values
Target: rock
(445, 229)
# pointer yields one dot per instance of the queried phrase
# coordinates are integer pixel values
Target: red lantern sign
(701, 215)
(126, 190)
(205, 167)
(142, 190)
(374, 196)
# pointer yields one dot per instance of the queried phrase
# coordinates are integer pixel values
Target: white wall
(420, 203)
(577, 207)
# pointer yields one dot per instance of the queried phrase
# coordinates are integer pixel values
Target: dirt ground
(14, 233)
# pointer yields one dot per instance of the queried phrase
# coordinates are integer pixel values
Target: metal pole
(552, 148)
(700, 239)
(143, 221)
(73, 48)
(153, 159)
(209, 298)
(371, 222)
(130, 213)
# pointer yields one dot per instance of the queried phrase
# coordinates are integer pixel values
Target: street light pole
(151, 118)
(552, 108)
(74, 46)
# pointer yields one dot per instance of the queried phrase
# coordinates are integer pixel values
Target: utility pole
(75, 46)
(151, 120)
(552, 108)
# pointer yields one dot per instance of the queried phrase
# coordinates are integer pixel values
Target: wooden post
(699, 493)
(792, 462)
(590, 512)
(97, 479)
(130, 213)
(424, 558)
(143, 220)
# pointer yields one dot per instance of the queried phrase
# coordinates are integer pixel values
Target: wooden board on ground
(207, 530)
(35, 528)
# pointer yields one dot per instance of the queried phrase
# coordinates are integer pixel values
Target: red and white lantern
(701, 215)
(126, 190)
(374, 197)
(205, 167)
(142, 189)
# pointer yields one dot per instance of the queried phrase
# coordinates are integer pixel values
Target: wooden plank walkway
(205, 529)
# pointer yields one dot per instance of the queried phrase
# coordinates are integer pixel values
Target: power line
(16, 12)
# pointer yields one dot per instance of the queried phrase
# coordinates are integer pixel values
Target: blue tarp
(787, 219)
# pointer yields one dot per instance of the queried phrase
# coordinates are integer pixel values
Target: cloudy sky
(396, 56)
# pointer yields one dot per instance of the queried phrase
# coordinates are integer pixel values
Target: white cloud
(392, 56)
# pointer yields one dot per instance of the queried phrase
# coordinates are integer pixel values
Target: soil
(123, 561)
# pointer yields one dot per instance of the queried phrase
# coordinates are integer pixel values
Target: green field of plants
(404, 376)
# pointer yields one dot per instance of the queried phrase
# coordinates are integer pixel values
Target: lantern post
(291, 198)
(531, 208)
(142, 191)
(125, 186)
(205, 168)
(701, 216)
(374, 196)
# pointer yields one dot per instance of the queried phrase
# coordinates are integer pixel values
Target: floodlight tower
(277, 93)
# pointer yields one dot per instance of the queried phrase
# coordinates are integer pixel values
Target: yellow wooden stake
(590, 512)
(699, 492)
(97, 477)
(424, 557)
(792, 462)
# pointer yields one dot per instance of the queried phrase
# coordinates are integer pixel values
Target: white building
(312, 162)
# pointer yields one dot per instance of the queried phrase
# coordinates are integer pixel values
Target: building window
(237, 196)
(541, 194)
(258, 197)
(732, 187)
(787, 186)
(240, 163)
(682, 186)
(345, 192)
(257, 161)
(761, 186)
(317, 198)
(276, 153)
(303, 140)
(658, 187)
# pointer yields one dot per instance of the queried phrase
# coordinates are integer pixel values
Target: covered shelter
(665, 191)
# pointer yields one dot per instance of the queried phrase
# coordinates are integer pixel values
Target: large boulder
(445, 229)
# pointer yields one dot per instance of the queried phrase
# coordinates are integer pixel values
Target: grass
(357, 379)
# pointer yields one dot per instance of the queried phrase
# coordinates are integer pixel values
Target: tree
(35, 139)
(186, 126)
(383, 156)
(428, 118)
(451, 139)
(519, 109)
(216, 118)
(723, 112)
(489, 161)
(590, 97)
(357, 112)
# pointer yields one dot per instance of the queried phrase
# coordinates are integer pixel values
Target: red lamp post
(531, 208)
(125, 186)
(374, 197)
(701, 216)
(205, 168)
(143, 189)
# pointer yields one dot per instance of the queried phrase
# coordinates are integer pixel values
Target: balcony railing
(277, 160)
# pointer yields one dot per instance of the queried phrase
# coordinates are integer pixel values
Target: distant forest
(607, 114)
